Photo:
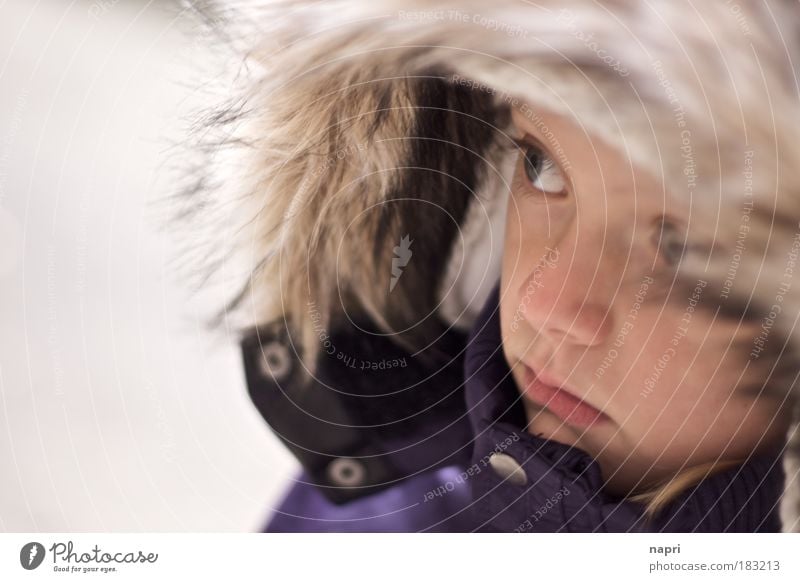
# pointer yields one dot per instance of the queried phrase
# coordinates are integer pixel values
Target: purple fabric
(409, 507)
(563, 489)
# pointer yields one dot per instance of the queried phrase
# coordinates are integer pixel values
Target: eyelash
(547, 167)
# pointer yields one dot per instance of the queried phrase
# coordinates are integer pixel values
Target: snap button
(275, 361)
(507, 468)
(346, 472)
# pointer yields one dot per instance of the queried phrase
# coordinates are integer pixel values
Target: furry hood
(362, 132)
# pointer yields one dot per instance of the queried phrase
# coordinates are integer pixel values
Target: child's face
(584, 303)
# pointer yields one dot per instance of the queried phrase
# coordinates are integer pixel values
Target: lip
(559, 401)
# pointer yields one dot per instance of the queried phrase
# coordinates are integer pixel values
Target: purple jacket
(397, 442)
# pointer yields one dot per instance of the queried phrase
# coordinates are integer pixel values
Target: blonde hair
(663, 493)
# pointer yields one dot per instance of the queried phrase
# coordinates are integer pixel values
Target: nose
(568, 294)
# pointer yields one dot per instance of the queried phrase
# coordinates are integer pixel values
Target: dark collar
(373, 414)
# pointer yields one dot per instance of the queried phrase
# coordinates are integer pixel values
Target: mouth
(560, 402)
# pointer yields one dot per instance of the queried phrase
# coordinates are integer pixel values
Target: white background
(118, 410)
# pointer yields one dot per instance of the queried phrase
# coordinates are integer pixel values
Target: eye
(671, 243)
(541, 171)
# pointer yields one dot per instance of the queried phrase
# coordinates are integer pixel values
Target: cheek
(687, 400)
(519, 244)
(668, 377)
(534, 219)
(530, 230)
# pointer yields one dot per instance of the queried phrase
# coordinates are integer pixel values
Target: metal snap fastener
(276, 363)
(507, 468)
(346, 472)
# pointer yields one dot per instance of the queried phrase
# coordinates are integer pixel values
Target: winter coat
(451, 452)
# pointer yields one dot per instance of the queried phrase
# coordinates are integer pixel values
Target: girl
(517, 267)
